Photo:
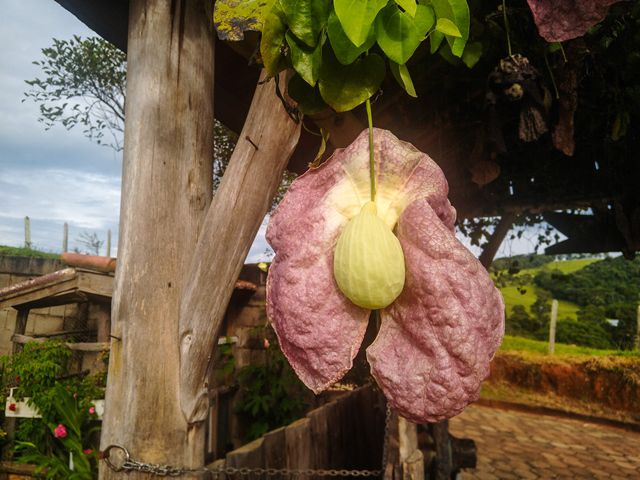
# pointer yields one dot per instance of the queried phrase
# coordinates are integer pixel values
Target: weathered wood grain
(18, 339)
(167, 188)
(267, 140)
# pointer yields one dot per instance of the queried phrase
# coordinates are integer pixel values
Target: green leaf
(472, 54)
(408, 6)
(345, 50)
(402, 76)
(435, 40)
(346, 87)
(396, 34)
(357, 17)
(321, 149)
(306, 61)
(424, 19)
(458, 12)
(308, 98)
(306, 18)
(231, 18)
(273, 37)
(446, 26)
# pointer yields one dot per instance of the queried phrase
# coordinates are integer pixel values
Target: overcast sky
(59, 176)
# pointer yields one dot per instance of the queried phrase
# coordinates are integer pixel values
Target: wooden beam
(75, 346)
(167, 188)
(21, 326)
(491, 248)
(267, 141)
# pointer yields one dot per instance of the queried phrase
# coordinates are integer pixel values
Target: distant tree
(91, 242)
(583, 334)
(84, 84)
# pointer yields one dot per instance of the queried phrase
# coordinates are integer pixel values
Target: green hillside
(525, 294)
(589, 293)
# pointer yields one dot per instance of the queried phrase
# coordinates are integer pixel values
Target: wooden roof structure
(449, 121)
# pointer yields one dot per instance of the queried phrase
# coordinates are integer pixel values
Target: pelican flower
(437, 337)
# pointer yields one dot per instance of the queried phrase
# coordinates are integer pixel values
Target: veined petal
(319, 329)
(437, 339)
(561, 20)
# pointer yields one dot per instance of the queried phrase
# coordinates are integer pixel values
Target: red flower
(92, 410)
(13, 407)
(60, 431)
(87, 451)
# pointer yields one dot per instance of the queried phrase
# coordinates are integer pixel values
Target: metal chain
(128, 464)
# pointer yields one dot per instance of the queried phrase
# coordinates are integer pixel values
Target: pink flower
(87, 451)
(266, 343)
(437, 336)
(92, 410)
(60, 431)
(13, 407)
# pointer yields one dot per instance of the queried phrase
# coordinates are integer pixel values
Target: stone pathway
(517, 445)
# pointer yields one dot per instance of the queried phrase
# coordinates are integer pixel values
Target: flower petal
(560, 20)
(437, 339)
(319, 329)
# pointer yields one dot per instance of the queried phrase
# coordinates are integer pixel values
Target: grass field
(520, 344)
(25, 252)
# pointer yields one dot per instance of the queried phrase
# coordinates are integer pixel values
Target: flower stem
(506, 26)
(372, 172)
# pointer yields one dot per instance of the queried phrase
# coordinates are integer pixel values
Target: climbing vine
(340, 49)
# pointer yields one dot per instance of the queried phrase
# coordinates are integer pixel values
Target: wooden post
(108, 254)
(411, 457)
(65, 237)
(491, 248)
(21, 326)
(27, 232)
(267, 141)
(638, 329)
(552, 326)
(167, 188)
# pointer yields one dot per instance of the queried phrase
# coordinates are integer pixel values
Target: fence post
(109, 243)
(638, 329)
(27, 232)
(552, 326)
(65, 237)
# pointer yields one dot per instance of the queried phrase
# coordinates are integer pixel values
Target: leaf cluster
(40, 372)
(340, 49)
(271, 395)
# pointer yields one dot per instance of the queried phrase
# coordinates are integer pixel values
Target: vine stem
(506, 26)
(372, 171)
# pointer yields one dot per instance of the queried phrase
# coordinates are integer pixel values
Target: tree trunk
(167, 187)
(255, 170)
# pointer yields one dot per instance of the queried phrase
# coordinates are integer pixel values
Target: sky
(56, 176)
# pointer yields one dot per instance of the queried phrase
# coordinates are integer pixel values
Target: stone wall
(42, 320)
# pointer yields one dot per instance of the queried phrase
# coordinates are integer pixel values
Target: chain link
(128, 465)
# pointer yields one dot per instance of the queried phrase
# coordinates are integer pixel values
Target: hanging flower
(437, 337)
(92, 410)
(60, 431)
(13, 407)
(87, 451)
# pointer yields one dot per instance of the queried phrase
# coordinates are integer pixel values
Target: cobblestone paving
(517, 445)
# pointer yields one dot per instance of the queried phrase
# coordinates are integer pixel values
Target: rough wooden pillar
(167, 187)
